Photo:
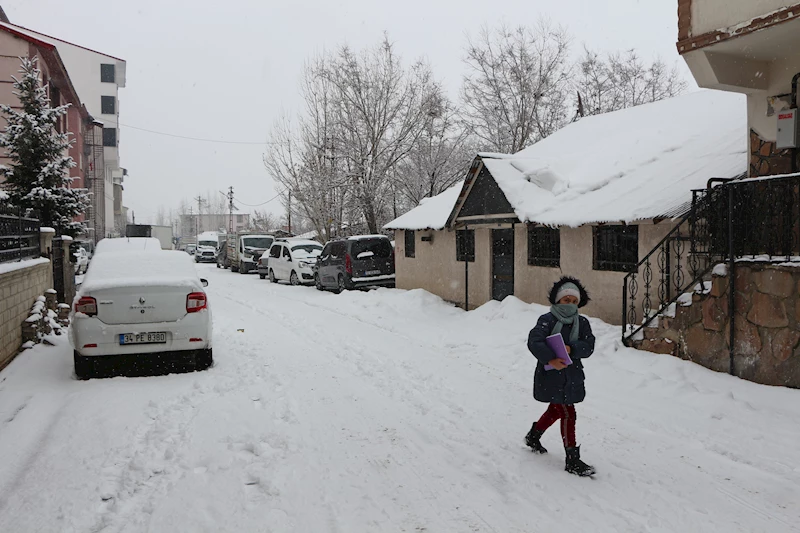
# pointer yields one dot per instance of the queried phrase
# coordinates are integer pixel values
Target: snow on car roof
(299, 242)
(171, 268)
(129, 244)
(362, 237)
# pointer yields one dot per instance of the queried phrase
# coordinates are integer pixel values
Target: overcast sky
(225, 70)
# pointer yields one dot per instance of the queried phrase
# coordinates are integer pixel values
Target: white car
(81, 260)
(293, 259)
(142, 305)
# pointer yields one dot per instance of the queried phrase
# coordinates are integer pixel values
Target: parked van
(360, 261)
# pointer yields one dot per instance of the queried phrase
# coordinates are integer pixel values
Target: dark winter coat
(560, 386)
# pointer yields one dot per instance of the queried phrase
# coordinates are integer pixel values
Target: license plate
(372, 272)
(159, 337)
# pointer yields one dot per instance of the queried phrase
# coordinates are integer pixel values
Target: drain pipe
(795, 79)
(466, 273)
(731, 283)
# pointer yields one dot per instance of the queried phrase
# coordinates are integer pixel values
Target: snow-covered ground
(387, 411)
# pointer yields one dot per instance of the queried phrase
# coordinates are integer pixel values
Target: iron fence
(756, 219)
(19, 234)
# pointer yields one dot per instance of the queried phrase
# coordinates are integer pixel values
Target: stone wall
(19, 289)
(766, 323)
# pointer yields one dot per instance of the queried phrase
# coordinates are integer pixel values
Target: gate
(58, 268)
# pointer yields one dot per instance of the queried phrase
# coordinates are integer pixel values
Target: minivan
(355, 262)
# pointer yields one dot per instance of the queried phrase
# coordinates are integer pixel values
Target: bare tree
(380, 110)
(439, 157)
(622, 80)
(517, 88)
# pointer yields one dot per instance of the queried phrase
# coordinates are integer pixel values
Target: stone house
(589, 201)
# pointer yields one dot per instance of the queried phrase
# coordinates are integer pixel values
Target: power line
(200, 139)
(263, 203)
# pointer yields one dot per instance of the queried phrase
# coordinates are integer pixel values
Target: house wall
(436, 270)
(710, 15)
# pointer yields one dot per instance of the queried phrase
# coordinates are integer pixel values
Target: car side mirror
(204, 282)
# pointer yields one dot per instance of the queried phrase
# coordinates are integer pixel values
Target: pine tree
(38, 176)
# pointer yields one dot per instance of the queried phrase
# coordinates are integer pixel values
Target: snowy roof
(634, 164)
(432, 213)
(49, 39)
(364, 237)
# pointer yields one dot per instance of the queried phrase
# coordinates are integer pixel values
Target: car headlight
(303, 264)
(248, 256)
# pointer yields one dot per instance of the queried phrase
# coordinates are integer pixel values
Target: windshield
(261, 243)
(307, 250)
(212, 244)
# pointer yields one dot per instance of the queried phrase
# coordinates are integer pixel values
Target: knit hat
(569, 284)
(568, 289)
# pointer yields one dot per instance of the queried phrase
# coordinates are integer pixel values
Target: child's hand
(569, 349)
(558, 364)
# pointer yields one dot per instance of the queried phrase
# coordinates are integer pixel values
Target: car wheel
(234, 268)
(262, 276)
(340, 286)
(293, 279)
(203, 360)
(318, 283)
(243, 269)
(272, 277)
(84, 366)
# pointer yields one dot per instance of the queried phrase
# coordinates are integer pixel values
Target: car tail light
(195, 339)
(90, 345)
(86, 305)
(195, 302)
(259, 262)
(348, 264)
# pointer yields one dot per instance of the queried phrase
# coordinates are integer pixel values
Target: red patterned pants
(566, 413)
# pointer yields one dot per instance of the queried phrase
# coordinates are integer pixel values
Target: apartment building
(97, 78)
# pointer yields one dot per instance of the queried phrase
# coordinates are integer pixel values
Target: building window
(616, 248)
(544, 246)
(465, 245)
(410, 237)
(108, 73)
(108, 105)
(110, 137)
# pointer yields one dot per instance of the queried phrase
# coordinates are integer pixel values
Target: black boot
(532, 440)
(575, 465)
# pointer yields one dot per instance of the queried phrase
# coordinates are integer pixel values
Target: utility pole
(230, 210)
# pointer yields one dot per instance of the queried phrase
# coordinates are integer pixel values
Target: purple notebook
(556, 343)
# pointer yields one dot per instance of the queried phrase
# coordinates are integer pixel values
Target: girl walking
(562, 386)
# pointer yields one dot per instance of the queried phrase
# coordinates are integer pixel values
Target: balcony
(745, 46)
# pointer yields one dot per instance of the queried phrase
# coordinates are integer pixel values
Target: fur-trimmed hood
(585, 299)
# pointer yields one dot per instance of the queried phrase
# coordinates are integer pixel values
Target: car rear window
(379, 248)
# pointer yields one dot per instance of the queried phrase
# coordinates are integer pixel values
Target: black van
(355, 262)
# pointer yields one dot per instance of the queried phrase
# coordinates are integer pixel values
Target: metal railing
(756, 219)
(19, 234)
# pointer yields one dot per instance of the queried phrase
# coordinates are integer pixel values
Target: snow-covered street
(387, 411)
